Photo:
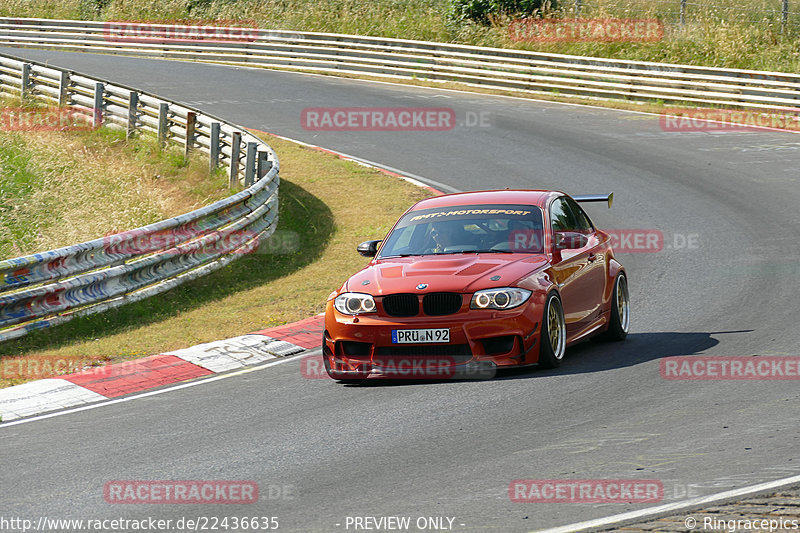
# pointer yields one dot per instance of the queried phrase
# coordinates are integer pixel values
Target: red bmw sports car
(467, 283)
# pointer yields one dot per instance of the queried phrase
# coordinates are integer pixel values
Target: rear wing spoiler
(595, 198)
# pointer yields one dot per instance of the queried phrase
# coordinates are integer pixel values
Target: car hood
(444, 273)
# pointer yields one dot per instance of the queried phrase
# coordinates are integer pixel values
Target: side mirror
(368, 248)
(569, 240)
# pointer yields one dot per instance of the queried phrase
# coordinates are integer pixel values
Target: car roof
(504, 196)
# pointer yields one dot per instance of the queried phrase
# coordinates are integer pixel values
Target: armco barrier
(535, 72)
(44, 289)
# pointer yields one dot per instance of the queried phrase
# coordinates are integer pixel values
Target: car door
(579, 268)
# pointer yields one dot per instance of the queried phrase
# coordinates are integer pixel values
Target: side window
(559, 215)
(567, 215)
(581, 221)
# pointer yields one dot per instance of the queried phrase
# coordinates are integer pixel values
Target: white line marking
(421, 180)
(44, 395)
(417, 180)
(200, 381)
(670, 507)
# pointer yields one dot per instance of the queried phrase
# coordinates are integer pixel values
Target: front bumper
(480, 342)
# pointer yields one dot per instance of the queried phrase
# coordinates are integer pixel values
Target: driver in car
(447, 234)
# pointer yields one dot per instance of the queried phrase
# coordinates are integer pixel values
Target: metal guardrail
(536, 72)
(48, 288)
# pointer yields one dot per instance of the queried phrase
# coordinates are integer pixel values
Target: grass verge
(56, 186)
(326, 207)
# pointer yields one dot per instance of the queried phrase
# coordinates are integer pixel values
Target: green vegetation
(43, 173)
(722, 33)
(17, 183)
(487, 11)
(326, 209)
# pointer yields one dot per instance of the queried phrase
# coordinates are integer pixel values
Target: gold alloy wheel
(556, 329)
(623, 303)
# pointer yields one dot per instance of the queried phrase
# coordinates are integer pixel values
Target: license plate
(418, 336)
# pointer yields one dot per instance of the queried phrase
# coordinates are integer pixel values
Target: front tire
(620, 310)
(553, 343)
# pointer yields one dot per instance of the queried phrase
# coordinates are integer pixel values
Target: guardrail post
(213, 155)
(784, 16)
(99, 90)
(250, 164)
(163, 118)
(264, 164)
(26, 81)
(191, 123)
(683, 12)
(63, 88)
(133, 114)
(236, 154)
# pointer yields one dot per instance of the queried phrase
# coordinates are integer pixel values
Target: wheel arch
(614, 269)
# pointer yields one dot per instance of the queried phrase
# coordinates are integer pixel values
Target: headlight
(502, 298)
(354, 303)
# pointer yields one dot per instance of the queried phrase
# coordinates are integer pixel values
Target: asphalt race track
(451, 449)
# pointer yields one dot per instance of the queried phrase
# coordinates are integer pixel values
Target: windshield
(465, 229)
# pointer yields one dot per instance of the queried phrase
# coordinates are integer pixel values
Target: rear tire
(553, 341)
(620, 310)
